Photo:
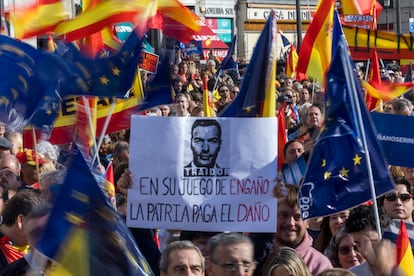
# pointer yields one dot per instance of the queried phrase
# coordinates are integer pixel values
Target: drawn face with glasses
(399, 203)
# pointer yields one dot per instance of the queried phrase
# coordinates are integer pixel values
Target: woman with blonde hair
(285, 261)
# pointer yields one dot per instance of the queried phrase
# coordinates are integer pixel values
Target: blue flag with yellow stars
(337, 175)
(28, 82)
(111, 76)
(84, 234)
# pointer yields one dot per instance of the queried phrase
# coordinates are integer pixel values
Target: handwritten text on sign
(148, 62)
(177, 194)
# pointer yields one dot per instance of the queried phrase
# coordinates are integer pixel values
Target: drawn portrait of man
(205, 143)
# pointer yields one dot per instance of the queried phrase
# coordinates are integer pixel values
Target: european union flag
(28, 81)
(84, 234)
(337, 175)
(160, 90)
(108, 77)
(257, 93)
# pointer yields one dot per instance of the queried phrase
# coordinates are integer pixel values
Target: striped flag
(291, 62)
(316, 51)
(257, 96)
(405, 259)
(38, 19)
(374, 81)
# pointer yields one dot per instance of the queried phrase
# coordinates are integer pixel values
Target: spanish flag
(38, 19)
(405, 259)
(291, 62)
(316, 51)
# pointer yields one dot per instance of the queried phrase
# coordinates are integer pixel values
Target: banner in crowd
(203, 174)
(396, 137)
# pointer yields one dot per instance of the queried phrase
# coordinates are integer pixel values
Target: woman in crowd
(285, 261)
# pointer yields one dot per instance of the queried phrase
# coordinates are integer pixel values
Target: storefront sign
(263, 14)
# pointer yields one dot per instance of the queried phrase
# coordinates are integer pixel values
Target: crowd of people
(347, 243)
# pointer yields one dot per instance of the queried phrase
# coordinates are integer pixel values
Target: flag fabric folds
(405, 259)
(229, 61)
(315, 52)
(285, 40)
(337, 175)
(84, 234)
(28, 81)
(257, 96)
(291, 62)
(38, 19)
(110, 76)
(374, 80)
(281, 136)
(159, 90)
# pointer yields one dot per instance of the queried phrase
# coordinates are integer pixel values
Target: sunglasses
(345, 249)
(394, 196)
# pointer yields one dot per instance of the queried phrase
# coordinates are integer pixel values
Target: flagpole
(104, 128)
(350, 78)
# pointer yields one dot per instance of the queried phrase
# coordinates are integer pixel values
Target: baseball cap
(28, 157)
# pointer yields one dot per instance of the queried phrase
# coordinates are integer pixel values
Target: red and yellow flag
(291, 62)
(387, 92)
(405, 259)
(374, 81)
(208, 111)
(38, 19)
(316, 50)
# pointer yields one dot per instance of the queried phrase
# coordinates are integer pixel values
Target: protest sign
(148, 62)
(396, 137)
(203, 174)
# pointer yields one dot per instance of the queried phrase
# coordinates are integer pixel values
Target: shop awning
(209, 39)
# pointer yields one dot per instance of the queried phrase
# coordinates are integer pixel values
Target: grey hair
(165, 256)
(225, 239)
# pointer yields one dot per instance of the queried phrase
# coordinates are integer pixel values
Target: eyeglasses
(233, 267)
(345, 249)
(394, 196)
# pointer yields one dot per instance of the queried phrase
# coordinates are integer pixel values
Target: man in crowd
(361, 224)
(182, 105)
(291, 229)
(9, 174)
(182, 258)
(33, 227)
(15, 243)
(231, 253)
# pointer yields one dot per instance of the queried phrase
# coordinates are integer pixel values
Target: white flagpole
(350, 79)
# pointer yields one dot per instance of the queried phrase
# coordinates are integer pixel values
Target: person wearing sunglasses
(399, 204)
(343, 251)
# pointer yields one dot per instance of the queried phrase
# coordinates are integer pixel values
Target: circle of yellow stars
(343, 172)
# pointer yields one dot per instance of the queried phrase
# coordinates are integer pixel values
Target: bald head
(10, 161)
